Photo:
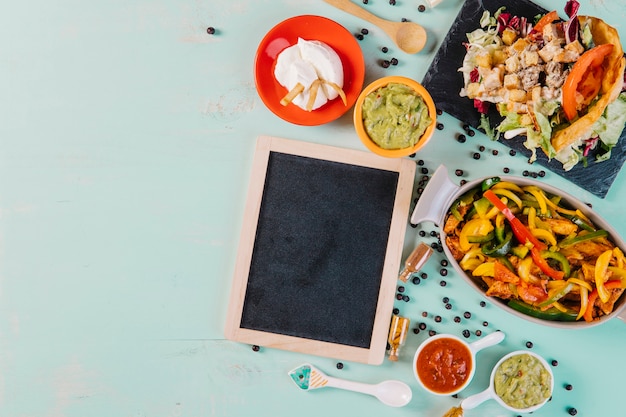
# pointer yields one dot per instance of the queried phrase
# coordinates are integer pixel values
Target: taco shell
(611, 85)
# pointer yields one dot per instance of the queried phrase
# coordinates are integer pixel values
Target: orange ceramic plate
(309, 28)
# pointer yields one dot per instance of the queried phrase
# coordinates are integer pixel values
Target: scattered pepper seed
(506, 170)
(398, 296)
(443, 283)
(406, 298)
(457, 319)
(256, 348)
(467, 314)
(481, 148)
(529, 345)
(470, 133)
(424, 171)
(438, 319)
(485, 323)
(396, 311)
(478, 332)
(339, 365)
(569, 387)
(424, 275)
(494, 152)
(384, 49)
(210, 30)
(525, 173)
(572, 411)
(512, 152)
(445, 299)
(444, 262)
(385, 63)
(422, 326)
(476, 155)
(463, 182)
(461, 138)
(482, 303)
(443, 272)
(416, 280)
(542, 173)
(392, 2)
(424, 313)
(466, 333)
(448, 306)
(555, 362)
(458, 172)
(365, 31)
(421, 8)
(432, 333)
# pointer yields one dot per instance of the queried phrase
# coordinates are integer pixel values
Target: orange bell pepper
(584, 79)
(609, 285)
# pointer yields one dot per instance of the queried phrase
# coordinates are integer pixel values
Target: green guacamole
(395, 116)
(522, 381)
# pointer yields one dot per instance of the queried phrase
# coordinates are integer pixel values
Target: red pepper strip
(609, 285)
(546, 20)
(544, 266)
(521, 232)
(524, 235)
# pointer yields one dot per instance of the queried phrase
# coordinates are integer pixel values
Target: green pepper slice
(480, 239)
(560, 258)
(582, 238)
(497, 249)
(489, 182)
(552, 313)
(579, 222)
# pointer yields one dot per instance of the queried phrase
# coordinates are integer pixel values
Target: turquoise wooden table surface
(127, 135)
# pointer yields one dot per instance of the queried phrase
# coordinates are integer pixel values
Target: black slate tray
(444, 81)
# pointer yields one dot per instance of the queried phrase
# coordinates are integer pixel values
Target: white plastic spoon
(392, 393)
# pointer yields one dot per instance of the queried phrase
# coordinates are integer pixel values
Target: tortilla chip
(611, 84)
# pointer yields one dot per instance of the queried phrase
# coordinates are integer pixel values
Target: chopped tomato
(584, 80)
(546, 20)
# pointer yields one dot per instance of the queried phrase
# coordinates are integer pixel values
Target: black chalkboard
(321, 248)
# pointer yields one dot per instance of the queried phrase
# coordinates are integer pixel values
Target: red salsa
(444, 365)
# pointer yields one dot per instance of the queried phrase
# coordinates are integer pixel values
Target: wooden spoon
(410, 37)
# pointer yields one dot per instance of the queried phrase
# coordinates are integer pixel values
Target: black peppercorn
(432, 333)
(467, 314)
(448, 306)
(555, 362)
(406, 298)
(392, 2)
(394, 61)
(506, 170)
(478, 333)
(424, 170)
(466, 333)
(398, 297)
(444, 262)
(445, 299)
(256, 348)
(569, 387)
(420, 162)
(529, 345)
(494, 152)
(424, 275)
(359, 36)
(485, 323)
(525, 173)
(210, 30)
(384, 49)
(482, 303)
(365, 1)
(438, 319)
(421, 8)
(461, 138)
(424, 313)
(443, 283)
(481, 148)
(339, 365)
(443, 272)
(470, 133)
(542, 173)
(365, 31)
(416, 280)
(512, 152)
(572, 411)
(385, 63)
(458, 172)
(439, 126)
(422, 326)
(396, 311)
(457, 319)
(476, 155)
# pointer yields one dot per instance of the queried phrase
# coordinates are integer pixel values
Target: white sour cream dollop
(306, 62)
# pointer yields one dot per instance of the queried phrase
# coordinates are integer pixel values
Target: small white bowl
(490, 393)
(473, 348)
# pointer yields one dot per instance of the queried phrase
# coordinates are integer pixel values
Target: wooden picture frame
(291, 289)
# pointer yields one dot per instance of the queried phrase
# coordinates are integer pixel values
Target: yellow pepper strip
(584, 301)
(508, 186)
(559, 306)
(485, 269)
(581, 283)
(601, 268)
(472, 259)
(540, 196)
(559, 209)
(532, 218)
(582, 216)
(619, 257)
(544, 235)
(523, 268)
(510, 195)
(474, 227)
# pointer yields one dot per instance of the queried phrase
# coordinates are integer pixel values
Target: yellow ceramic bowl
(360, 128)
